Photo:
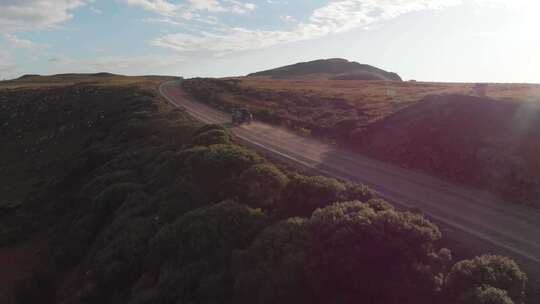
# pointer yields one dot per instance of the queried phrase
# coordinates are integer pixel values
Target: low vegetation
(480, 135)
(151, 207)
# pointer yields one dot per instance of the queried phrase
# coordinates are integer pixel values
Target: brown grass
(387, 96)
(445, 135)
(33, 82)
(313, 104)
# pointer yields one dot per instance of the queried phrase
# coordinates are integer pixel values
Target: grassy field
(354, 90)
(378, 99)
(317, 105)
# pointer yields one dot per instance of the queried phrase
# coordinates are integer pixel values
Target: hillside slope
(336, 68)
(485, 141)
(481, 142)
(145, 205)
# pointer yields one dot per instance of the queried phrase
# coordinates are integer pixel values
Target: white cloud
(19, 43)
(335, 17)
(25, 15)
(208, 5)
(233, 39)
(96, 11)
(277, 2)
(164, 20)
(188, 10)
(162, 7)
(240, 8)
(288, 19)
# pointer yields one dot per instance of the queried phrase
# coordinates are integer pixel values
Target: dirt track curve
(508, 229)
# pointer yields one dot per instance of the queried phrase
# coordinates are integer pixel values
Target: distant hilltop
(68, 75)
(334, 69)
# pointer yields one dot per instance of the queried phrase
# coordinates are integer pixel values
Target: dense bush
(204, 240)
(304, 194)
(211, 137)
(209, 127)
(216, 168)
(360, 255)
(487, 295)
(272, 268)
(209, 233)
(122, 253)
(379, 204)
(346, 252)
(151, 216)
(111, 198)
(357, 192)
(262, 186)
(179, 197)
(99, 183)
(486, 272)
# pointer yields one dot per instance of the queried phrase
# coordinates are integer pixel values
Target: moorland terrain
(484, 136)
(110, 195)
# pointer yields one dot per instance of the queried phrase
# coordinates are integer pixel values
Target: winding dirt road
(508, 229)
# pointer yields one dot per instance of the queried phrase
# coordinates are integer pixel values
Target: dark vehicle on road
(242, 116)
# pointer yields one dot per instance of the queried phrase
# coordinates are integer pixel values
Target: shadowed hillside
(490, 144)
(123, 199)
(339, 69)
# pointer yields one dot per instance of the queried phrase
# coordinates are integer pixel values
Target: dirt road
(508, 229)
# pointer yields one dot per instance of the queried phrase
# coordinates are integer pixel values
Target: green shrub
(176, 283)
(357, 254)
(262, 186)
(210, 127)
(99, 183)
(215, 169)
(214, 288)
(488, 270)
(357, 192)
(137, 204)
(163, 171)
(124, 246)
(179, 197)
(212, 137)
(209, 233)
(130, 159)
(379, 204)
(272, 268)
(304, 194)
(111, 198)
(488, 295)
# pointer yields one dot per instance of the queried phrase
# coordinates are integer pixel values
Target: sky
(425, 40)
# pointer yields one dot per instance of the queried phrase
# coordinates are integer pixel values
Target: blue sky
(429, 40)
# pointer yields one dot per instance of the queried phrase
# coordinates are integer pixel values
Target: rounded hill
(336, 69)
